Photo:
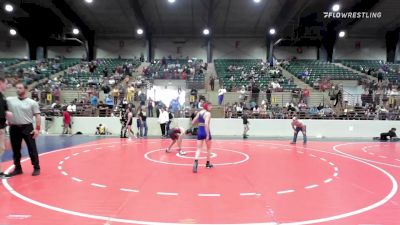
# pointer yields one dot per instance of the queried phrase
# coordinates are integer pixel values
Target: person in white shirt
(163, 119)
(221, 93)
(297, 126)
(275, 85)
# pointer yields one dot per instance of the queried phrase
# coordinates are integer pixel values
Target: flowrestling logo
(352, 15)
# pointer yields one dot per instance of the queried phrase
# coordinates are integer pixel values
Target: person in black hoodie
(391, 134)
(4, 114)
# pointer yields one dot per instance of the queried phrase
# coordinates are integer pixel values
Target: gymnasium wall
(66, 51)
(127, 48)
(286, 52)
(180, 48)
(236, 48)
(239, 48)
(262, 128)
(13, 48)
(366, 49)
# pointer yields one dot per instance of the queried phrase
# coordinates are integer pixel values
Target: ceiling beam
(137, 10)
(210, 16)
(228, 9)
(289, 9)
(260, 16)
(72, 16)
(362, 6)
(192, 15)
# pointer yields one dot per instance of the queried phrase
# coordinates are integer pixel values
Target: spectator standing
(170, 118)
(306, 95)
(150, 107)
(212, 83)
(193, 96)
(115, 94)
(221, 93)
(339, 98)
(175, 106)
(163, 120)
(268, 93)
(143, 125)
(130, 93)
(245, 125)
(57, 94)
(21, 128)
(139, 124)
(67, 122)
(142, 98)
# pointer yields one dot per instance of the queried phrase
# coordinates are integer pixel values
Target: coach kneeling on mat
(21, 128)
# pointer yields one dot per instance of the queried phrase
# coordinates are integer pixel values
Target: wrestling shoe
(36, 172)
(181, 152)
(15, 172)
(209, 165)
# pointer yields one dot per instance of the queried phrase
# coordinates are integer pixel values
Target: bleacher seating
(182, 69)
(5, 62)
(319, 70)
(263, 80)
(36, 70)
(372, 67)
(82, 75)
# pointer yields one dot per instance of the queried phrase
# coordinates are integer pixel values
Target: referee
(21, 128)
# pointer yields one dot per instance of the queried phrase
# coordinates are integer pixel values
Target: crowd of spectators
(168, 68)
(32, 71)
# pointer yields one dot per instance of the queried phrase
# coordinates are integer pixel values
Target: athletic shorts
(173, 135)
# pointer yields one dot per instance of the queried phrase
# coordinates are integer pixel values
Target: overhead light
(75, 31)
(342, 34)
(206, 31)
(88, 1)
(139, 31)
(13, 32)
(9, 7)
(171, 1)
(257, 1)
(336, 7)
(272, 31)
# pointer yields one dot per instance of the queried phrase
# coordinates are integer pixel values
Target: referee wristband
(37, 127)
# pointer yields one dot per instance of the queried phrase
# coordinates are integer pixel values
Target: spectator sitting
(302, 106)
(275, 85)
(313, 111)
(71, 107)
(109, 102)
(256, 110)
(326, 111)
(101, 130)
(94, 101)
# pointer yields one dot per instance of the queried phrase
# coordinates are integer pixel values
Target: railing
(280, 98)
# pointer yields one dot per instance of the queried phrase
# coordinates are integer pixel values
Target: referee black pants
(17, 134)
